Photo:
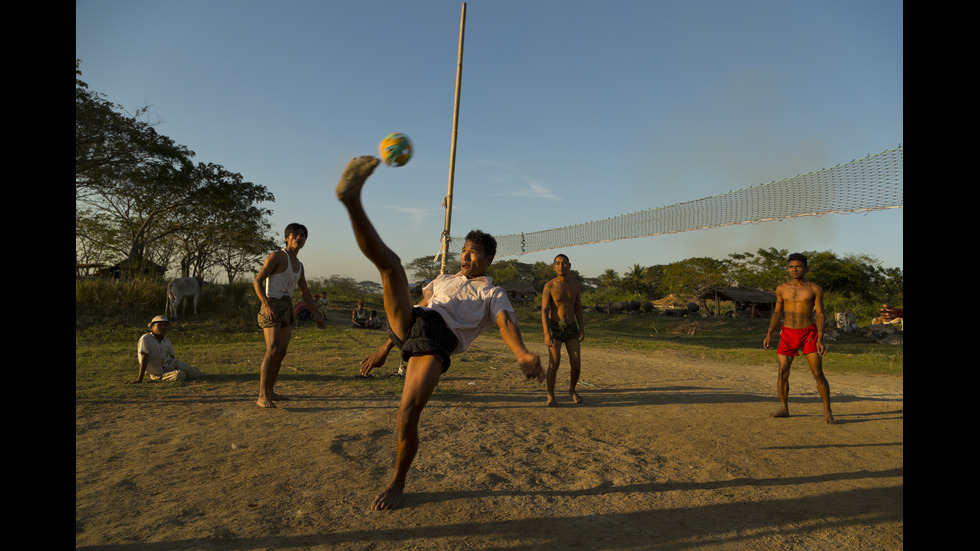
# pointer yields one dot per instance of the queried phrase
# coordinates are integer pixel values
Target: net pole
(452, 148)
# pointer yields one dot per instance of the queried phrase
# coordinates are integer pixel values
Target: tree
(243, 251)
(426, 268)
(608, 279)
(634, 280)
(694, 276)
(136, 190)
(223, 216)
(763, 270)
(110, 145)
(510, 271)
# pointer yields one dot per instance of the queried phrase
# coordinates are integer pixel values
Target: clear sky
(570, 111)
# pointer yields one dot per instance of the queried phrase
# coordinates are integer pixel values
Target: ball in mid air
(395, 149)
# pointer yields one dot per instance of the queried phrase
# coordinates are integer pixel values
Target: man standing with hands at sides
(454, 310)
(561, 318)
(274, 285)
(802, 303)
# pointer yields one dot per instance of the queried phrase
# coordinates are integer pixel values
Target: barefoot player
(280, 274)
(454, 310)
(802, 303)
(561, 318)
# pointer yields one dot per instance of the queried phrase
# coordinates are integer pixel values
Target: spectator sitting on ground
(374, 322)
(358, 318)
(157, 358)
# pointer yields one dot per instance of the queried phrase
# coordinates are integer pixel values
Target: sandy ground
(668, 451)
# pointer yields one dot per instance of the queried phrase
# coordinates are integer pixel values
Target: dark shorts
(427, 336)
(283, 307)
(561, 331)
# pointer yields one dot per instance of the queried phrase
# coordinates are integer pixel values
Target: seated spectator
(157, 358)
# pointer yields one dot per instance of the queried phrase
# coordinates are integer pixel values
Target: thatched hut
(518, 292)
(748, 302)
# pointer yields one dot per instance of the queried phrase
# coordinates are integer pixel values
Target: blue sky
(570, 111)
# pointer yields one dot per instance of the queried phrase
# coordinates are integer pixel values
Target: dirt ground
(667, 451)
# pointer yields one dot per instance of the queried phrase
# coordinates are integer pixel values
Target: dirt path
(668, 451)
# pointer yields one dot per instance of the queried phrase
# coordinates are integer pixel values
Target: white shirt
(160, 354)
(282, 284)
(468, 306)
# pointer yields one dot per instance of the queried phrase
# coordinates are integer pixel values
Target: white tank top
(282, 284)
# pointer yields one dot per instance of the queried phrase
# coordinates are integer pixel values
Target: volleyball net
(872, 183)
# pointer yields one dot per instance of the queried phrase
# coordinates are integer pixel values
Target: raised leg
(397, 294)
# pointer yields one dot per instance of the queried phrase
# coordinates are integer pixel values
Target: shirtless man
(561, 318)
(454, 310)
(802, 302)
(274, 284)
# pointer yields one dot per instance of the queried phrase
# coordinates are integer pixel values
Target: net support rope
(872, 183)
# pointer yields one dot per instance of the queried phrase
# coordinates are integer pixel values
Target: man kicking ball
(454, 310)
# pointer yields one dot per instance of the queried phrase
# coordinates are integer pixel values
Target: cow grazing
(180, 289)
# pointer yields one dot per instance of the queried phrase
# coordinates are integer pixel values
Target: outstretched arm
(530, 363)
(890, 312)
(377, 359)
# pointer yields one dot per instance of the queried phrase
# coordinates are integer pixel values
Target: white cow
(180, 289)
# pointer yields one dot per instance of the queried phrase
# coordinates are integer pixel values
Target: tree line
(853, 282)
(142, 202)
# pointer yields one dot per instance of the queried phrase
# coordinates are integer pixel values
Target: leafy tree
(764, 270)
(427, 268)
(694, 276)
(608, 278)
(137, 193)
(510, 271)
(653, 278)
(634, 280)
(223, 214)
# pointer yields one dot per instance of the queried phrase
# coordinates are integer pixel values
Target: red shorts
(792, 340)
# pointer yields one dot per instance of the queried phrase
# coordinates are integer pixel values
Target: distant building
(750, 303)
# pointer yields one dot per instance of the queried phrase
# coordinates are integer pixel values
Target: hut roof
(740, 295)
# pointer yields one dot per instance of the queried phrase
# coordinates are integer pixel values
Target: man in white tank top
(453, 311)
(281, 273)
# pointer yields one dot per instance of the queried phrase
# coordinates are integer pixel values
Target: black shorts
(428, 335)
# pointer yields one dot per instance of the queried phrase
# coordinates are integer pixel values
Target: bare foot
(552, 402)
(830, 418)
(355, 174)
(278, 397)
(389, 498)
(783, 412)
(575, 397)
(265, 403)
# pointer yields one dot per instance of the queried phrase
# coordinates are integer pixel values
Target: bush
(135, 302)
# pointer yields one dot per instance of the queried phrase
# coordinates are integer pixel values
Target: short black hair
(797, 256)
(563, 255)
(296, 227)
(485, 240)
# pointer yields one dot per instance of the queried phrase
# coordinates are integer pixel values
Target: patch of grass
(723, 339)
(228, 348)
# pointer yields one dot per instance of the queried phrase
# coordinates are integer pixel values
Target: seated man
(157, 358)
(358, 316)
(374, 322)
(454, 310)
